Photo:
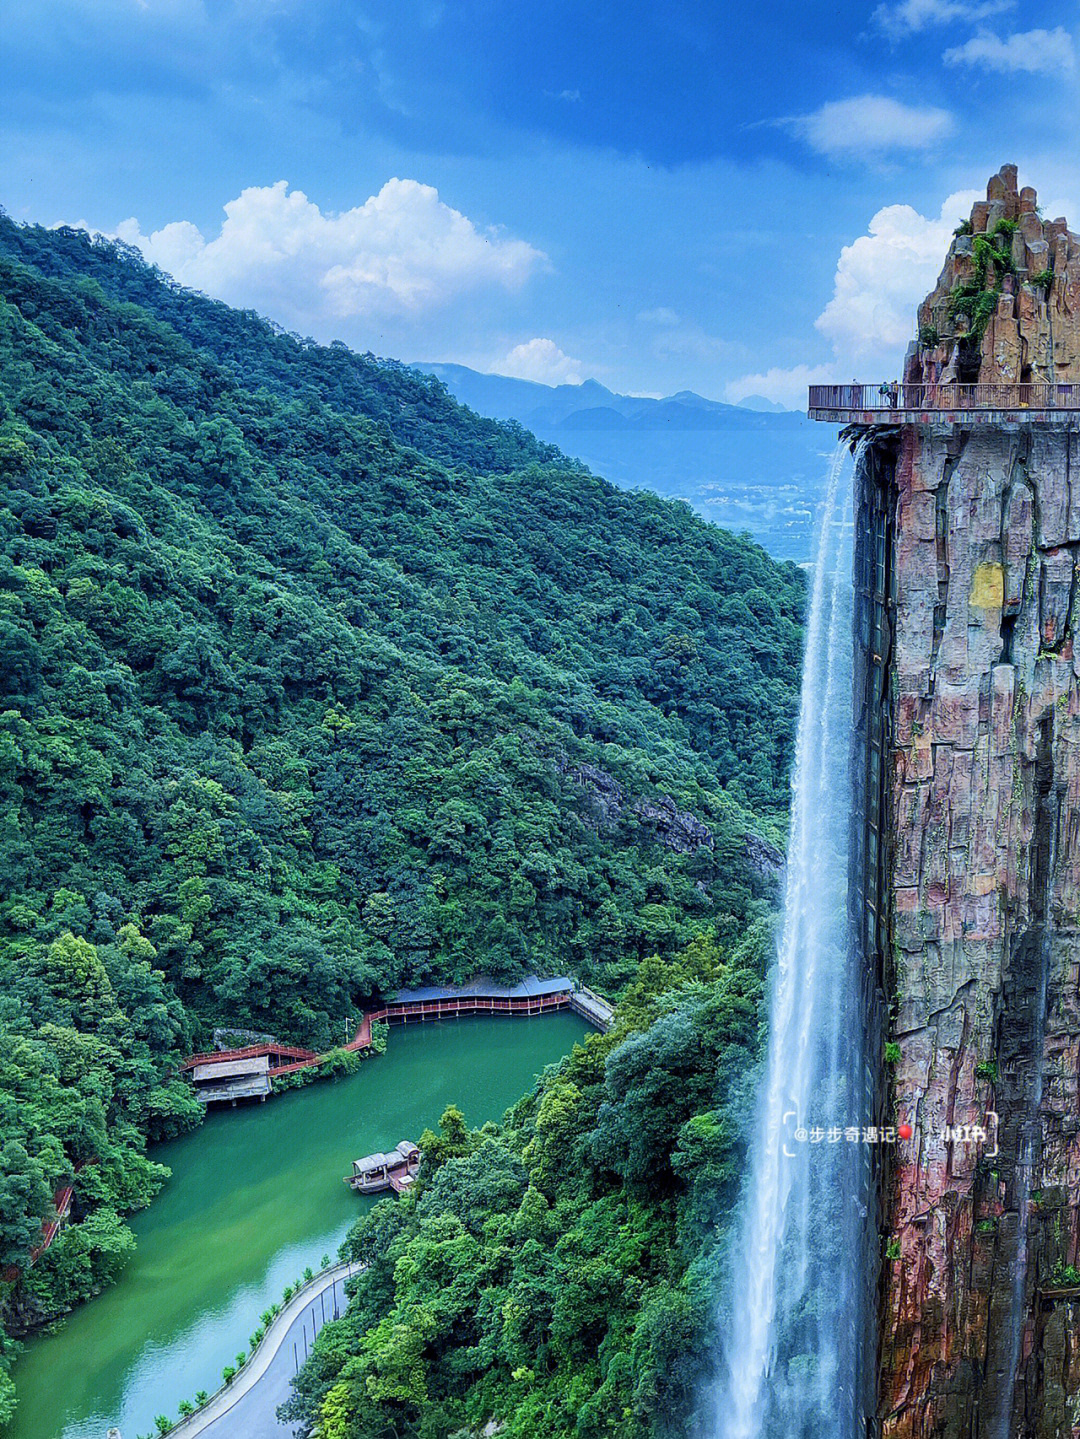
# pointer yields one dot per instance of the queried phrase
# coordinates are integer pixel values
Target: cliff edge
(980, 1297)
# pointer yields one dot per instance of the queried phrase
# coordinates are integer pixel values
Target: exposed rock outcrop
(608, 800)
(980, 1323)
(985, 905)
(237, 1038)
(764, 858)
(1006, 307)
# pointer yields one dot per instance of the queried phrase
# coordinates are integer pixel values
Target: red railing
(297, 1058)
(862, 399)
(473, 1004)
(297, 1064)
(252, 1051)
(49, 1230)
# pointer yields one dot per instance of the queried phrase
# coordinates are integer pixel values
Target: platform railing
(249, 1051)
(1035, 395)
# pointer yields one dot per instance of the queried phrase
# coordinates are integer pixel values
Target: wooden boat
(395, 1171)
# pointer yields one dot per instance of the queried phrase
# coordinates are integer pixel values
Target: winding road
(246, 1409)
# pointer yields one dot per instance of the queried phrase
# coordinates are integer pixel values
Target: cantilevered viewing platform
(999, 406)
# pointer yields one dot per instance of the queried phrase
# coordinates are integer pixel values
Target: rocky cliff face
(980, 1314)
(1006, 307)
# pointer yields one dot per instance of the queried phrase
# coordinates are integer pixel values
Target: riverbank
(225, 1076)
(305, 1313)
(256, 1195)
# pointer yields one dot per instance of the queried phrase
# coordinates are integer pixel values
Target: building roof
(244, 1087)
(228, 1068)
(484, 987)
(397, 1156)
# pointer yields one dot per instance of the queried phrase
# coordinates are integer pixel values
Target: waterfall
(796, 1304)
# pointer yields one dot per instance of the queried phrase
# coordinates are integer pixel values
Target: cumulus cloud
(872, 124)
(882, 276)
(785, 387)
(880, 279)
(403, 251)
(910, 16)
(540, 360)
(1045, 52)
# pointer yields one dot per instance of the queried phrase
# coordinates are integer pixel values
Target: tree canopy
(313, 683)
(555, 1274)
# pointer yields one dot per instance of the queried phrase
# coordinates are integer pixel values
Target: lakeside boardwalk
(224, 1076)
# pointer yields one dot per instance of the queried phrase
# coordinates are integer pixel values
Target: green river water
(256, 1195)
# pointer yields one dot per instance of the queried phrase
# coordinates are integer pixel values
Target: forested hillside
(556, 1275)
(314, 683)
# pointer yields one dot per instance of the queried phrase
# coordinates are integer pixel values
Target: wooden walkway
(306, 1058)
(453, 1007)
(289, 1058)
(62, 1204)
(50, 1228)
(284, 1058)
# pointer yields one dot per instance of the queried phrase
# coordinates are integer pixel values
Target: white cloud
(662, 315)
(403, 251)
(872, 124)
(540, 360)
(786, 387)
(910, 16)
(1044, 52)
(882, 276)
(675, 338)
(880, 279)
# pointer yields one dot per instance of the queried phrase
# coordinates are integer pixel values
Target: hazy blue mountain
(744, 468)
(759, 402)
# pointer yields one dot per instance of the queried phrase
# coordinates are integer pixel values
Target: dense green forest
(556, 1274)
(312, 684)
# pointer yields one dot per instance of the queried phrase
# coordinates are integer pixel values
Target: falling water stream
(796, 1305)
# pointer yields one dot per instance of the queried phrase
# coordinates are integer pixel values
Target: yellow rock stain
(988, 587)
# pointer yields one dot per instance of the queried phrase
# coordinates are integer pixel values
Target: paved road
(249, 1412)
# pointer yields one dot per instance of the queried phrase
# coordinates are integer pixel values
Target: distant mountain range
(759, 402)
(592, 406)
(753, 466)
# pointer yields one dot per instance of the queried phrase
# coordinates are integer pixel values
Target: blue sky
(661, 195)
